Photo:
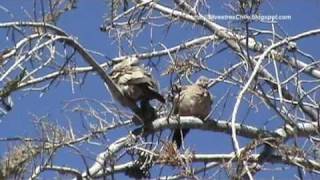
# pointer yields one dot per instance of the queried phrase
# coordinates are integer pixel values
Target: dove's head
(203, 82)
(130, 61)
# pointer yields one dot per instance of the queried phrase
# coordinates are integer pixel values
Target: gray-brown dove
(136, 84)
(192, 100)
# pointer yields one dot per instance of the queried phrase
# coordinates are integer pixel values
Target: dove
(192, 100)
(136, 84)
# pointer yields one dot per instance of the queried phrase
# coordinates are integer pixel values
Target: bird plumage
(135, 83)
(192, 100)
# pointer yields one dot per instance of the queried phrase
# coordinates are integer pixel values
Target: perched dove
(192, 100)
(135, 83)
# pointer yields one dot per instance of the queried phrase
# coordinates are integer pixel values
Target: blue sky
(83, 24)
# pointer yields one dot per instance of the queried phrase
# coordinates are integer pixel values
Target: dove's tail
(177, 138)
(156, 95)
